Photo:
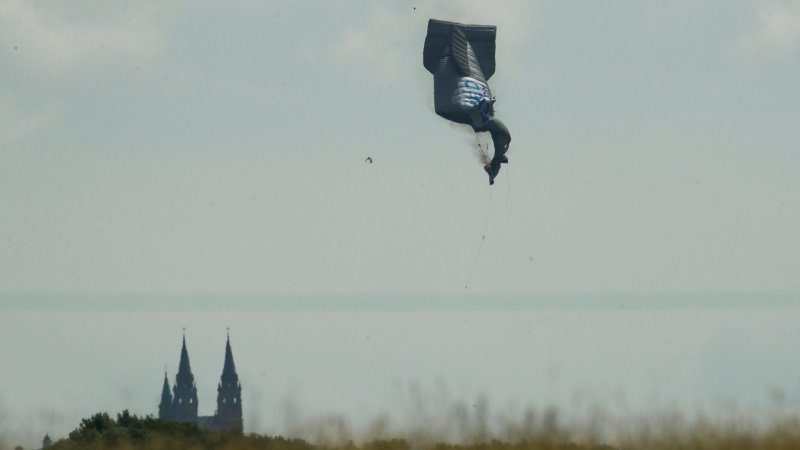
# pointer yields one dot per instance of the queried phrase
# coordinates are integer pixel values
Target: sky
(161, 149)
(198, 147)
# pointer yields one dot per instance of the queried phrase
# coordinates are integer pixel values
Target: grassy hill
(129, 432)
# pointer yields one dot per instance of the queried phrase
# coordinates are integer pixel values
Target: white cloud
(513, 18)
(43, 38)
(379, 44)
(777, 28)
(391, 36)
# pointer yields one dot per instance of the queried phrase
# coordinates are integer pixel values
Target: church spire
(184, 400)
(229, 368)
(229, 395)
(184, 367)
(165, 407)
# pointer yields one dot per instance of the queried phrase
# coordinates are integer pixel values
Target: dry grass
(531, 432)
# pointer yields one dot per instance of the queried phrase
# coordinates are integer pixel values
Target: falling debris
(462, 59)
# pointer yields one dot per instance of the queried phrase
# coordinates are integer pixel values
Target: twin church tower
(180, 404)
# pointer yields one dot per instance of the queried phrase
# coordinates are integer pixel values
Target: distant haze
(314, 366)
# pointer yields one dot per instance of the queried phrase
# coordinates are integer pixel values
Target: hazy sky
(195, 146)
(339, 364)
(199, 147)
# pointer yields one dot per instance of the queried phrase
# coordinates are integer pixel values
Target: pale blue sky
(196, 147)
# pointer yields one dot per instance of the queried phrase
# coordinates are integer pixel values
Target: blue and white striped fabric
(473, 94)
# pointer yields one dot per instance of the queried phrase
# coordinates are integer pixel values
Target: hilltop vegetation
(129, 432)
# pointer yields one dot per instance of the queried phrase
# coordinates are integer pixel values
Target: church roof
(166, 395)
(229, 368)
(184, 375)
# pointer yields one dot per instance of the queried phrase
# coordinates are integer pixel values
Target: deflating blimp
(461, 59)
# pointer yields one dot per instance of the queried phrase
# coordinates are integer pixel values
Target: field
(669, 431)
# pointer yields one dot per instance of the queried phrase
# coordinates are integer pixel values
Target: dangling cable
(484, 154)
(508, 184)
(483, 238)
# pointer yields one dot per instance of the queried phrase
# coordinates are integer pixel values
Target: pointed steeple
(165, 407)
(229, 395)
(184, 367)
(184, 400)
(229, 368)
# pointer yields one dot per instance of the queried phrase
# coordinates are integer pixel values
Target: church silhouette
(180, 404)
